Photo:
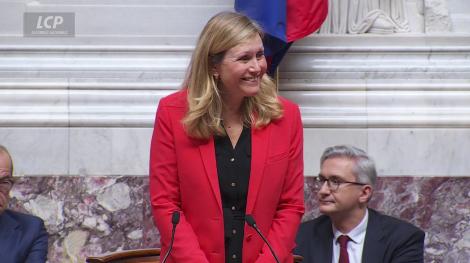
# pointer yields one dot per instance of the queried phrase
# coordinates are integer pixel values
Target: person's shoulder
(287, 104)
(395, 225)
(319, 222)
(22, 217)
(25, 220)
(313, 231)
(176, 99)
(291, 111)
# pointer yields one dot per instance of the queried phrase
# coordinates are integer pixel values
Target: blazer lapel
(373, 247)
(323, 244)
(207, 151)
(259, 151)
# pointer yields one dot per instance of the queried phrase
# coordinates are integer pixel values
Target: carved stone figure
(365, 16)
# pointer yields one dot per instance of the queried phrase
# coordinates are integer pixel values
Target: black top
(233, 169)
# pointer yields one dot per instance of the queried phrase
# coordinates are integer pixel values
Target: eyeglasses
(333, 183)
(6, 184)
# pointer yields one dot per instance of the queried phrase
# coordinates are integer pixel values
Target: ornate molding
(339, 81)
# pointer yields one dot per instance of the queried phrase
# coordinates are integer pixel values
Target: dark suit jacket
(23, 238)
(387, 240)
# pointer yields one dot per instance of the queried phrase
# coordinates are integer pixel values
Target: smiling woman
(228, 56)
(228, 145)
(238, 77)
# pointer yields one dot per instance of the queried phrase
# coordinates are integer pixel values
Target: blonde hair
(203, 119)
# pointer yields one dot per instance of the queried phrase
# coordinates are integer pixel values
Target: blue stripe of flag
(270, 14)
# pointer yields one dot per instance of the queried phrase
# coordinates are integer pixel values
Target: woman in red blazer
(226, 146)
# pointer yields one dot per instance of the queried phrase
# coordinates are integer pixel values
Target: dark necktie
(343, 249)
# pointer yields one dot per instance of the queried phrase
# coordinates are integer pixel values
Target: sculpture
(365, 16)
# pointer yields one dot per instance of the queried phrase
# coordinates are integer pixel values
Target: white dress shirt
(355, 244)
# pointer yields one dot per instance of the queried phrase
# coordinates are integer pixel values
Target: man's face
(6, 180)
(347, 197)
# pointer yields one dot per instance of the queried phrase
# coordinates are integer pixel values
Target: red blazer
(183, 177)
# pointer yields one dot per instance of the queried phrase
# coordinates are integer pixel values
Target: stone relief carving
(437, 17)
(366, 16)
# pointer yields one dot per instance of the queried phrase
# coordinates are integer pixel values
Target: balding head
(6, 180)
(6, 162)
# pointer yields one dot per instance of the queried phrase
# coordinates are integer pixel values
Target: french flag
(283, 21)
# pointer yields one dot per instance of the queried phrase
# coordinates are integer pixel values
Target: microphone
(175, 219)
(251, 222)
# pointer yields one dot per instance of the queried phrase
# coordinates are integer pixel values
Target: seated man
(348, 231)
(23, 238)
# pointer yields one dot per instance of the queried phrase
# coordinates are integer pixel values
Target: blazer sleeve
(38, 251)
(165, 193)
(290, 207)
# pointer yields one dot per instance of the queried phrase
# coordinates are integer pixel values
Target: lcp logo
(49, 22)
(40, 24)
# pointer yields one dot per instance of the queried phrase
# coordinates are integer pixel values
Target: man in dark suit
(349, 231)
(23, 238)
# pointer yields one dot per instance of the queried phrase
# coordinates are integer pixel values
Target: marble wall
(85, 105)
(97, 215)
